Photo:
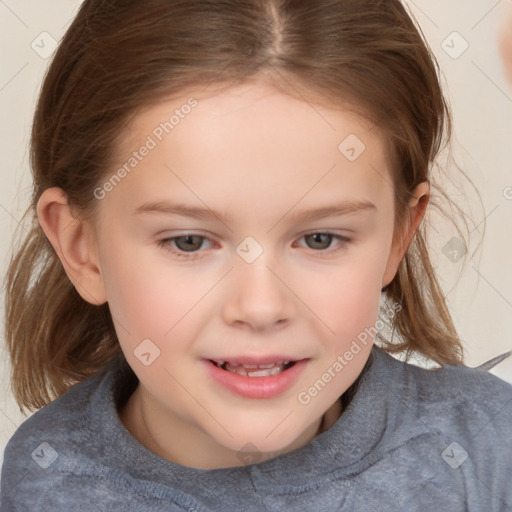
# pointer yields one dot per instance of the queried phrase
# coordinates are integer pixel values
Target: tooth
(266, 366)
(266, 373)
(260, 372)
(220, 363)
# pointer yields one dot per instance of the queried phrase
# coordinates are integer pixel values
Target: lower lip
(257, 387)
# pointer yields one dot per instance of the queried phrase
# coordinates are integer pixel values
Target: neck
(330, 417)
(140, 422)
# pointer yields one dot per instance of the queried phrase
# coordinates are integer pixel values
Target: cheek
(346, 298)
(356, 304)
(147, 297)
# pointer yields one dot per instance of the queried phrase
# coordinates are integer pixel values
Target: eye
(322, 241)
(184, 245)
(189, 243)
(189, 246)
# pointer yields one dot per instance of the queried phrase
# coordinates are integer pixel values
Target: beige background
(481, 101)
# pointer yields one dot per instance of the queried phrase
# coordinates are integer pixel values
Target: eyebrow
(335, 210)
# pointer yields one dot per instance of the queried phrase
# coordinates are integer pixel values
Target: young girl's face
(254, 228)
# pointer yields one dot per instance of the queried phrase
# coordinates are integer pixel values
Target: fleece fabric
(411, 440)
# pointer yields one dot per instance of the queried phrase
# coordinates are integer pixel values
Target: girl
(229, 200)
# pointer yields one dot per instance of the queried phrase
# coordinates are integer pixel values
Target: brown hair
(120, 56)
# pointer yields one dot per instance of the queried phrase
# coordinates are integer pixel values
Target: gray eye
(189, 243)
(318, 240)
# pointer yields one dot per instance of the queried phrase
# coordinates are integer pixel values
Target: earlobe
(505, 45)
(416, 210)
(74, 244)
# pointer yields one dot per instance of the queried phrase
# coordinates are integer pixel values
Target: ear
(417, 207)
(505, 45)
(74, 243)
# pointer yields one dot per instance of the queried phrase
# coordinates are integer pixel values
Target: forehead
(254, 142)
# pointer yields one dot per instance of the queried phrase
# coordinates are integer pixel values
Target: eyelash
(192, 255)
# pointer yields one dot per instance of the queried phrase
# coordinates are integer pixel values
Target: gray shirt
(411, 439)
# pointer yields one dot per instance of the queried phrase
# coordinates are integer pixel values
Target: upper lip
(257, 360)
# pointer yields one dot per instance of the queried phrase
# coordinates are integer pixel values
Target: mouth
(257, 377)
(254, 370)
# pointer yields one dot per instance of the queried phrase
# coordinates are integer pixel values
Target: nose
(258, 298)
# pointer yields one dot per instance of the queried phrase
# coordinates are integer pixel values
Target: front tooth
(220, 363)
(266, 373)
(260, 372)
(263, 366)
